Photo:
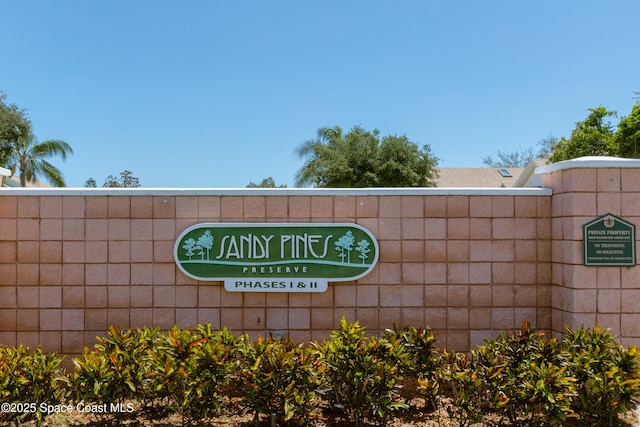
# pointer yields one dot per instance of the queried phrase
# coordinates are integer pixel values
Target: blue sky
(220, 93)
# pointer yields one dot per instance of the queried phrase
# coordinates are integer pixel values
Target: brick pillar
(584, 189)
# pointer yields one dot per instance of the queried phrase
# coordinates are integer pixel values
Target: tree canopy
(520, 159)
(15, 125)
(362, 158)
(21, 150)
(596, 135)
(30, 157)
(126, 180)
(591, 137)
(627, 136)
(266, 183)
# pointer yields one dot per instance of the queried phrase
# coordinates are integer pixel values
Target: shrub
(362, 373)
(465, 382)
(521, 377)
(185, 368)
(214, 356)
(279, 378)
(191, 369)
(422, 361)
(530, 372)
(117, 367)
(29, 379)
(607, 374)
(93, 378)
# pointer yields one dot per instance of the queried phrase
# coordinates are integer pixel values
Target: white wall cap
(167, 192)
(589, 162)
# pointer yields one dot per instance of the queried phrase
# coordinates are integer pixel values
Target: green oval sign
(276, 257)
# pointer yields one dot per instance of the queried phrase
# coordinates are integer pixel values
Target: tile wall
(468, 263)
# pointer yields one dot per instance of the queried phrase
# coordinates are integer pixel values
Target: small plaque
(609, 241)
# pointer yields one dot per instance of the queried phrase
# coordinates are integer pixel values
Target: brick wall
(74, 262)
(583, 295)
(468, 263)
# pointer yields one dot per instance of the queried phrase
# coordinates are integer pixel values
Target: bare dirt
(416, 416)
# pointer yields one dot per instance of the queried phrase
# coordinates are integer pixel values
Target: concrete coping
(589, 162)
(362, 192)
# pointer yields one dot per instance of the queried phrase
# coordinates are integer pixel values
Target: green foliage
(419, 343)
(30, 378)
(463, 380)
(21, 150)
(520, 378)
(265, 183)
(402, 163)
(607, 373)
(594, 136)
(172, 365)
(513, 159)
(213, 361)
(116, 368)
(528, 379)
(191, 370)
(520, 158)
(362, 373)
(92, 377)
(184, 369)
(15, 126)
(30, 157)
(126, 180)
(528, 375)
(627, 136)
(422, 361)
(591, 137)
(361, 158)
(279, 378)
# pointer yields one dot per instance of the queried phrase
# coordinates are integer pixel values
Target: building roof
(14, 181)
(478, 177)
(528, 177)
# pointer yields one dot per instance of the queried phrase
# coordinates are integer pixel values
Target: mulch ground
(416, 416)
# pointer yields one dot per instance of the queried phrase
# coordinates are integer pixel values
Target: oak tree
(361, 158)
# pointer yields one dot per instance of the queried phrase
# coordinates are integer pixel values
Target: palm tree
(30, 157)
(319, 152)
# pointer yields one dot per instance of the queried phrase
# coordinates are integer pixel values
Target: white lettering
(300, 246)
(249, 246)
